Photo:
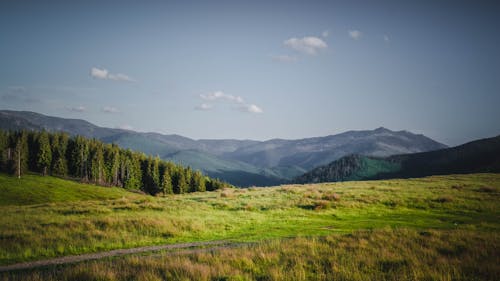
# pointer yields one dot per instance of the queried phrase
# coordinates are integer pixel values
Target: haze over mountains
(240, 162)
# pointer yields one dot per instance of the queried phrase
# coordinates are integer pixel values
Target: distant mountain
(240, 162)
(312, 152)
(473, 157)
(18, 120)
(238, 173)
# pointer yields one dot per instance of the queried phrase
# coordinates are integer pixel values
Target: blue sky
(257, 69)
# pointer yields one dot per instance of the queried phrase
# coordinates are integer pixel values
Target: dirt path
(189, 247)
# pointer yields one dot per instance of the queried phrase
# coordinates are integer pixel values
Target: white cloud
(309, 45)
(218, 95)
(221, 97)
(120, 77)
(284, 58)
(386, 38)
(355, 34)
(251, 108)
(325, 33)
(101, 73)
(110, 109)
(204, 106)
(77, 109)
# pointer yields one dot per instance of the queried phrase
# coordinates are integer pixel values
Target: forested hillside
(90, 160)
(239, 162)
(481, 156)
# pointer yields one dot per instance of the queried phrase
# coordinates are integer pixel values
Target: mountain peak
(382, 130)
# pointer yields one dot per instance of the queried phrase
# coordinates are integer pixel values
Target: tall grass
(74, 222)
(383, 254)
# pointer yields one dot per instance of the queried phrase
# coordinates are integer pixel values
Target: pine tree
(179, 181)
(208, 184)
(146, 174)
(4, 146)
(104, 164)
(151, 175)
(131, 172)
(155, 175)
(166, 185)
(44, 153)
(214, 184)
(19, 157)
(78, 152)
(33, 147)
(59, 144)
(112, 161)
(199, 181)
(96, 162)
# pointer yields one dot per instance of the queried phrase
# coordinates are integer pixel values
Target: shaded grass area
(119, 219)
(381, 254)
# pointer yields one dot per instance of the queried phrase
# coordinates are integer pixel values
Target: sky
(257, 69)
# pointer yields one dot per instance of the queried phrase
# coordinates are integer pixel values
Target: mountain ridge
(275, 160)
(476, 156)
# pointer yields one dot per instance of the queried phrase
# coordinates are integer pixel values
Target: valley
(249, 140)
(240, 162)
(58, 218)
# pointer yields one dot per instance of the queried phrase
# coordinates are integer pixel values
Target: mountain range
(240, 162)
(473, 157)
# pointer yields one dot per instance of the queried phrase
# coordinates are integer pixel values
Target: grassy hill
(34, 189)
(60, 218)
(477, 156)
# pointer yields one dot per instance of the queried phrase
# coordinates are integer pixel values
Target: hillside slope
(477, 156)
(312, 152)
(244, 162)
(34, 189)
(44, 225)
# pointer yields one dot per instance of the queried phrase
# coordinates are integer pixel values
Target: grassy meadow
(433, 228)
(381, 254)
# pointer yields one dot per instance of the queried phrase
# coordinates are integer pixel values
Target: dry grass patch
(385, 254)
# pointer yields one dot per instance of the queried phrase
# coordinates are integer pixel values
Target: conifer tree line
(93, 161)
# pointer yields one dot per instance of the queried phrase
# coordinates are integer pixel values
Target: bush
(321, 205)
(487, 189)
(226, 193)
(443, 199)
(331, 197)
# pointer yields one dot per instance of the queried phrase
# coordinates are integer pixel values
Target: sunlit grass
(382, 254)
(75, 222)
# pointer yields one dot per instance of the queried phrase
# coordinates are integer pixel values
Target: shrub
(321, 204)
(390, 203)
(487, 189)
(226, 194)
(443, 199)
(331, 197)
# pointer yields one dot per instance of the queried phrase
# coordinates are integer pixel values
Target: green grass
(34, 189)
(383, 254)
(70, 220)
